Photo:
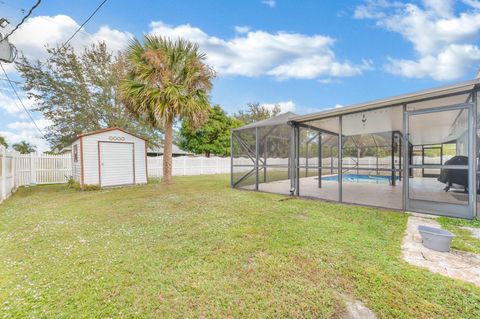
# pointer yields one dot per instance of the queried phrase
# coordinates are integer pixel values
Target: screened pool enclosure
(414, 152)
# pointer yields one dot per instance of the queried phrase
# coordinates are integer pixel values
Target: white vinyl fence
(29, 169)
(7, 173)
(189, 166)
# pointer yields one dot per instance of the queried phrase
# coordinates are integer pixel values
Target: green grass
(463, 239)
(200, 249)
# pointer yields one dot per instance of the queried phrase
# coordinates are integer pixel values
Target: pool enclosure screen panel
(371, 157)
(244, 158)
(475, 101)
(274, 158)
(318, 159)
(261, 158)
(419, 153)
(450, 191)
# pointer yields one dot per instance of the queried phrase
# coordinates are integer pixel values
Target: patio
(425, 135)
(380, 195)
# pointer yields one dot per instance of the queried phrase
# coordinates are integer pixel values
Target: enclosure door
(116, 162)
(453, 192)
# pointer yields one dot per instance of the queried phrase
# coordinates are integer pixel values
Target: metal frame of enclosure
(414, 152)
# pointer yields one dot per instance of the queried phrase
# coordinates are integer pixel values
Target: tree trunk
(167, 153)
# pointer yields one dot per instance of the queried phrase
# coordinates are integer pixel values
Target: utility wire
(63, 46)
(11, 5)
(76, 32)
(21, 102)
(16, 82)
(23, 19)
(73, 35)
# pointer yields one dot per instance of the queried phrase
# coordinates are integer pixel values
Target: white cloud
(328, 81)
(41, 31)
(30, 136)
(26, 131)
(452, 62)
(28, 125)
(242, 28)
(282, 55)
(31, 39)
(288, 106)
(373, 9)
(312, 67)
(442, 8)
(446, 44)
(10, 104)
(269, 3)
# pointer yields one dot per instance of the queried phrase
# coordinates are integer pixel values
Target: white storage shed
(109, 157)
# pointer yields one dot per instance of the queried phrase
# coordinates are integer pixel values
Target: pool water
(361, 178)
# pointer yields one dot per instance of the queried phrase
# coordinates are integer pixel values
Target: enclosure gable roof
(282, 118)
(392, 101)
(107, 130)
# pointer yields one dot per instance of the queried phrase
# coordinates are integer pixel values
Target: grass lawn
(201, 249)
(463, 239)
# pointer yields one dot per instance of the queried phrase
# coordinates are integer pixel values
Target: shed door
(116, 164)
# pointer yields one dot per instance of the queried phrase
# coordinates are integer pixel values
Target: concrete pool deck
(382, 195)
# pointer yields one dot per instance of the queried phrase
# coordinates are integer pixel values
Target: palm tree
(3, 141)
(24, 147)
(166, 81)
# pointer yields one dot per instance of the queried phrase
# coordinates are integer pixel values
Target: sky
(305, 56)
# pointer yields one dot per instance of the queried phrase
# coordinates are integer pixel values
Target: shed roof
(107, 130)
(392, 101)
(282, 118)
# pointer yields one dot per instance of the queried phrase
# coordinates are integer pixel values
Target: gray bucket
(435, 238)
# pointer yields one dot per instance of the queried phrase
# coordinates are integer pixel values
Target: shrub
(71, 183)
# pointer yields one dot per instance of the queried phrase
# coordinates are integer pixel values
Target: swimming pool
(361, 178)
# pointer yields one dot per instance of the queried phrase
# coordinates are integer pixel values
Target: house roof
(66, 149)
(282, 118)
(175, 150)
(392, 101)
(107, 130)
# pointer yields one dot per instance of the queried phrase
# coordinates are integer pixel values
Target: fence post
(3, 152)
(33, 168)
(184, 165)
(14, 170)
(160, 166)
(201, 165)
(217, 167)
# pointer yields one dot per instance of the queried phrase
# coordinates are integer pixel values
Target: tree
(257, 112)
(213, 137)
(78, 92)
(3, 141)
(166, 81)
(24, 147)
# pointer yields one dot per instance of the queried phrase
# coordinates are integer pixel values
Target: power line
(21, 102)
(16, 82)
(76, 32)
(11, 5)
(63, 46)
(23, 19)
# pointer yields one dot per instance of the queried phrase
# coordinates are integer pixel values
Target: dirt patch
(356, 309)
(455, 264)
(474, 231)
(301, 216)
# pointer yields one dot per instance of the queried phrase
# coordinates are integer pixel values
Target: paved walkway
(456, 264)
